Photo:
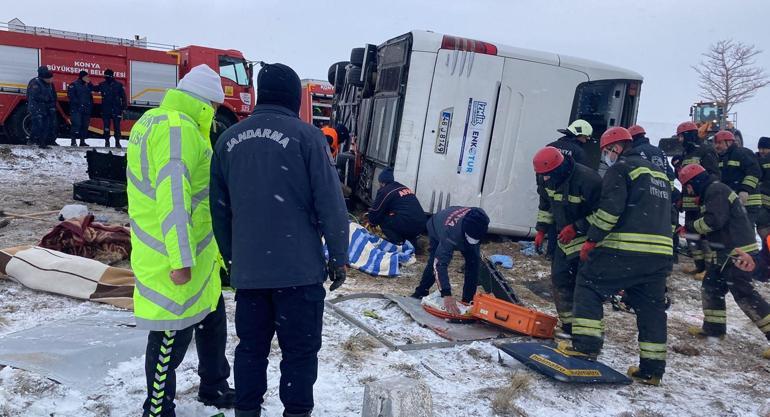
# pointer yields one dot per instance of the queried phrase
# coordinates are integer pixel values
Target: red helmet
(689, 172)
(635, 130)
(724, 136)
(547, 159)
(686, 127)
(614, 135)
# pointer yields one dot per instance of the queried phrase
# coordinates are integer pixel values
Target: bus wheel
(18, 126)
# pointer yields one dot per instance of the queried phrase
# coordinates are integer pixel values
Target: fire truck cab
(146, 70)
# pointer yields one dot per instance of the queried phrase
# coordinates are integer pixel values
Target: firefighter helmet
(689, 172)
(614, 135)
(547, 159)
(724, 136)
(580, 128)
(636, 130)
(686, 127)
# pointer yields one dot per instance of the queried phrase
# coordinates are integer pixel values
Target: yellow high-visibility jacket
(169, 154)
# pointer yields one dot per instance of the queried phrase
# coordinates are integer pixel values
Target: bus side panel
(458, 128)
(415, 107)
(535, 100)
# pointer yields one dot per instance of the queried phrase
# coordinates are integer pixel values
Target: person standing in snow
(453, 229)
(80, 95)
(174, 256)
(275, 194)
(397, 211)
(41, 105)
(725, 222)
(114, 102)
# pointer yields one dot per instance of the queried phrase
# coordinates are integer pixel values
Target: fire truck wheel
(357, 56)
(17, 127)
(222, 121)
(337, 72)
(353, 77)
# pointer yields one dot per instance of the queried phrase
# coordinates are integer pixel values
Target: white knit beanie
(203, 82)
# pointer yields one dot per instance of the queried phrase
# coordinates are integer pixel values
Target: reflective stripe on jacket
(169, 156)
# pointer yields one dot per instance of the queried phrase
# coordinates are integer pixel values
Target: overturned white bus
(459, 120)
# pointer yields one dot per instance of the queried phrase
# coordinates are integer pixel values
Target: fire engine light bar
(464, 44)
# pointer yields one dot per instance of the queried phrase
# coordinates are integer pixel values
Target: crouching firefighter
(570, 194)
(629, 247)
(696, 152)
(726, 225)
(175, 258)
(453, 229)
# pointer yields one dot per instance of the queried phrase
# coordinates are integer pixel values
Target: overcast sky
(658, 38)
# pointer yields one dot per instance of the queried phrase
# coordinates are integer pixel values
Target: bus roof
(431, 42)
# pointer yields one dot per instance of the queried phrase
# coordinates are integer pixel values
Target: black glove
(337, 275)
(224, 275)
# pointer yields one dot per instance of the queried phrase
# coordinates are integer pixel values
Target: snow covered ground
(713, 378)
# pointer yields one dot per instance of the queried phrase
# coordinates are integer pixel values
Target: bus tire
(337, 73)
(353, 77)
(17, 126)
(357, 56)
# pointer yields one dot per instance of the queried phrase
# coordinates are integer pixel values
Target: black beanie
(764, 143)
(476, 223)
(82, 74)
(278, 84)
(386, 176)
(109, 73)
(44, 72)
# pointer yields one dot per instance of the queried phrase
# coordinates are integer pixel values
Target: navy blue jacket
(41, 97)
(113, 97)
(398, 201)
(446, 227)
(654, 154)
(274, 194)
(569, 145)
(79, 94)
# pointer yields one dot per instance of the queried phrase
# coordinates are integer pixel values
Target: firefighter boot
(700, 266)
(564, 347)
(766, 353)
(637, 375)
(700, 333)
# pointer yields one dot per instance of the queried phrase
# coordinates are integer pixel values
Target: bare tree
(729, 74)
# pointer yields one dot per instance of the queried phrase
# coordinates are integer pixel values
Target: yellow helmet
(580, 128)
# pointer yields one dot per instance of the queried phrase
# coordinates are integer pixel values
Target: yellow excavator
(710, 117)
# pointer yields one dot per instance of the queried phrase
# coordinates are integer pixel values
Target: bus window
(605, 104)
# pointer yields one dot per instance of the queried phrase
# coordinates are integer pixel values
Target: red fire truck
(316, 107)
(146, 70)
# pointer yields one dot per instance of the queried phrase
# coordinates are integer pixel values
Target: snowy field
(713, 378)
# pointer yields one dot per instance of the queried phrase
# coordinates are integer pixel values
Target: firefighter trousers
(723, 277)
(643, 277)
(166, 350)
(430, 275)
(563, 275)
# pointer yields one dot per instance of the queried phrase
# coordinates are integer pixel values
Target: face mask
(607, 159)
(471, 240)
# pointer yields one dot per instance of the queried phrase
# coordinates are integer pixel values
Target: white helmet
(579, 128)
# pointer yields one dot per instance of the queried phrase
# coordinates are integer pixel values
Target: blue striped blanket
(374, 255)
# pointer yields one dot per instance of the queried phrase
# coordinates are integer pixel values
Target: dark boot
(248, 413)
(221, 399)
(73, 143)
(117, 143)
(106, 142)
(83, 142)
(305, 414)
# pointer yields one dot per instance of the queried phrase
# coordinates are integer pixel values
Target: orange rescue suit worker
(332, 139)
(397, 211)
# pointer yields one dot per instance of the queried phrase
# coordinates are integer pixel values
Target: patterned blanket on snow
(375, 256)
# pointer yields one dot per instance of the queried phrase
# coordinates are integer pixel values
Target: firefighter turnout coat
(570, 203)
(634, 213)
(724, 221)
(741, 172)
(169, 156)
(705, 155)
